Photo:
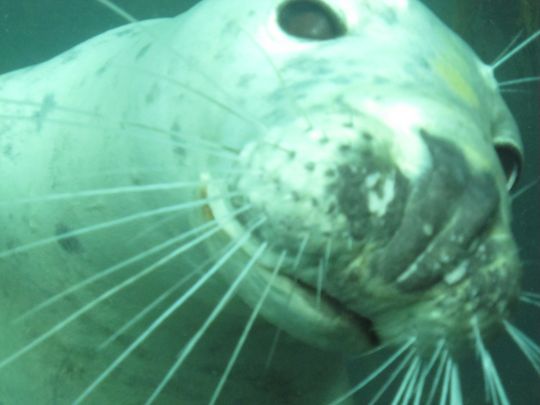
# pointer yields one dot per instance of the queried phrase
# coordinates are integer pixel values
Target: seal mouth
(363, 322)
(308, 313)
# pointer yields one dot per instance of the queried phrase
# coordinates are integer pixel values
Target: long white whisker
(301, 251)
(51, 104)
(494, 388)
(202, 95)
(446, 382)
(530, 298)
(157, 301)
(438, 375)
(109, 293)
(395, 373)
(147, 309)
(514, 51)
(323, 268)
(513, 91)
(214, 225)
(508, 47)
(199, 144)
(234, 247)
(456, 397)
(117, 10)
(292, 100)
(294, 267)
(426, 370)
(157, 224)
(519, 81)
(128, 170)
(531, 294)
(320, 279)
(530, 349)
(190, 345)
(277, 335)
(382, 346)
(158, 135)
(111, 224)
(107, 192)
(405, 383)
(524, 189)
(374, 373)
(413, 384)
(129, 18)
(273, 348)
(247, 329)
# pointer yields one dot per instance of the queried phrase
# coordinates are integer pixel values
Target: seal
(346, 178)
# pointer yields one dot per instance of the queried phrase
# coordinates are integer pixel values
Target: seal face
(348, 178)
(397, 190)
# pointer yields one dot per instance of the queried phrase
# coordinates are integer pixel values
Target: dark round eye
(510, 159)
(309, 20)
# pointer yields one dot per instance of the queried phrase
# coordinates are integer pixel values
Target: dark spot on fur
(152, 95)
(102, 69)
(142, 51)
(390, 17)
(180, 151)
(238, 201)
(310, 166)
(8, 150)
(124, 32)
(380, 80)
(175, 127)
(245, 80)
(331, 208)
(70, 244)
(424, 63)
(69, 56)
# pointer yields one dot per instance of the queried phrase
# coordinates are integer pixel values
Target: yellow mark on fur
(450, 70)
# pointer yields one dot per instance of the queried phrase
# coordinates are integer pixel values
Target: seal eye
(510, 160)
(309, 20)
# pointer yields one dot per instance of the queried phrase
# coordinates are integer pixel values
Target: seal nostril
(310, 20)
(510, 160)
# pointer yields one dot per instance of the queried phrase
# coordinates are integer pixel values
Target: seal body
(311, 167)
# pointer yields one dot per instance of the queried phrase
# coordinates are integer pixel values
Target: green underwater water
(35, 30)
